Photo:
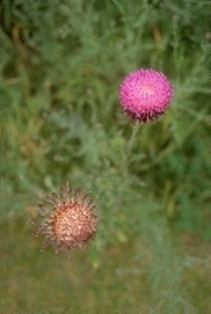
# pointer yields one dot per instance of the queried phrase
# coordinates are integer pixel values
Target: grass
(61, 66)
(143, 274)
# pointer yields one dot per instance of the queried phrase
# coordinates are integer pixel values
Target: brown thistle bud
(66, 220)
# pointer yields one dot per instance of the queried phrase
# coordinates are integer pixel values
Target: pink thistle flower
(145, 94)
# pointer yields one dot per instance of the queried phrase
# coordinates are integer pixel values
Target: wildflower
(145, 94)
(66, 220)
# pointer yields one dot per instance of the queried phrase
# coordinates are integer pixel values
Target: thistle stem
(130, 145)
(132, 139)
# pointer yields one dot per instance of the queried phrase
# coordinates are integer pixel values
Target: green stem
(132, 139)
(131, 142)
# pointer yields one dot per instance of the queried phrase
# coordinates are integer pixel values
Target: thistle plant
(67, 220)
(61, 64)
(145, 95)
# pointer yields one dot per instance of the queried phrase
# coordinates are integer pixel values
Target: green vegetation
(60, 120)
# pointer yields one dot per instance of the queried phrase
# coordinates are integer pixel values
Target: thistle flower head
(66, 220)
(145, 94)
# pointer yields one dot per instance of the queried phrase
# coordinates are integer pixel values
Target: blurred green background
(61, 64)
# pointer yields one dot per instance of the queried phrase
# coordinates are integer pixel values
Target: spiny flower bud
(145, 94)
(66, 220)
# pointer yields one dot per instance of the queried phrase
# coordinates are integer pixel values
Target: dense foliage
(61, 65)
